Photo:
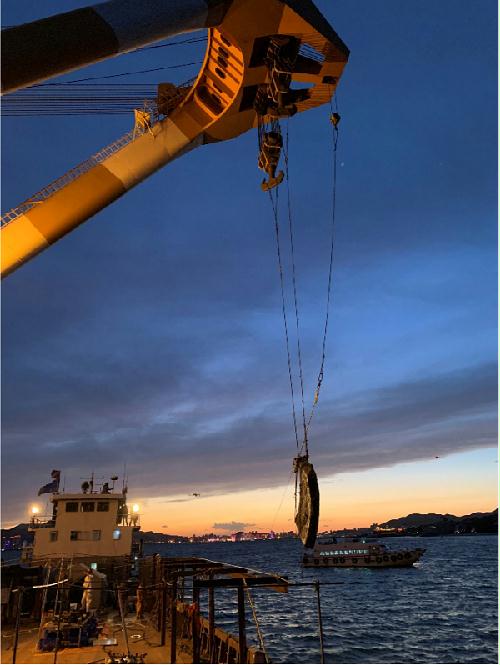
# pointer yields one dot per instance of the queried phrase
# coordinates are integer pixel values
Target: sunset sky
(153, 334)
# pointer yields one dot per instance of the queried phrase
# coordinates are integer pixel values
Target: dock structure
(182, 581)
(166, 612)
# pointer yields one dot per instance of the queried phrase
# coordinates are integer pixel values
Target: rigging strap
(256, 620)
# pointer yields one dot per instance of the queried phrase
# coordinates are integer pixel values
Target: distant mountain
(156, 537)
(417, 519)
(438, 524)
(19, 530)
(17, 534)
(14, 537)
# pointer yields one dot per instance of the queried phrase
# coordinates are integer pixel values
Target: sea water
(442, 610)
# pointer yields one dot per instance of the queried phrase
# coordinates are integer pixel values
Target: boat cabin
(85, 525)
(347, 548)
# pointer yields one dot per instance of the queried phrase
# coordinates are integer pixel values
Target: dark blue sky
(153, 333)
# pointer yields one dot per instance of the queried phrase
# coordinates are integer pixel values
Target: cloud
(231, 526)
(227, 438)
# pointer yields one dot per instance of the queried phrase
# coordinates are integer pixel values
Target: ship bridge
(85, 525)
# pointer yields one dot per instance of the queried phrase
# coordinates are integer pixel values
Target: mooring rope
(256, 620)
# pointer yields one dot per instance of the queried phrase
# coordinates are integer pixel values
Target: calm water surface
(443, 610)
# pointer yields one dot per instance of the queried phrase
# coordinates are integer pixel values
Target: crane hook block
(270, 152)
(335, 119)
(272, 182)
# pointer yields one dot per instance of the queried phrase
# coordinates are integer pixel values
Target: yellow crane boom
(242, 78)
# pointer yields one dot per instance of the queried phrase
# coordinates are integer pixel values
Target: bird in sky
(196, 494)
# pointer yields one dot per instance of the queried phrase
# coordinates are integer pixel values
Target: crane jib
(220, 105)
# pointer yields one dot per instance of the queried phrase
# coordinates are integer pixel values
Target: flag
(53, 486)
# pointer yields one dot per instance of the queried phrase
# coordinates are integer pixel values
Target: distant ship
(358, 554)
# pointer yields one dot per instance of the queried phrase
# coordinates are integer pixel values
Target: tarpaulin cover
(307, 515)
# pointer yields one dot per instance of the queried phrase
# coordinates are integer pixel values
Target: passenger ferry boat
(358, 554)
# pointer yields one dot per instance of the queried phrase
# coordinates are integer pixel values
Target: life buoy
(385, 557)
(354, 559)
(400, 556)
(393, 557)
(379, 559)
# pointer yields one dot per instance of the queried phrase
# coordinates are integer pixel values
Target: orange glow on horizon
(449, 485)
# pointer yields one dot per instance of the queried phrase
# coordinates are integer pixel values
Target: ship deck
(142, 637)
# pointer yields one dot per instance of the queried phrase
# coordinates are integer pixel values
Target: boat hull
(400, 559)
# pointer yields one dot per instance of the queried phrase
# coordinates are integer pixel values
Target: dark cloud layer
(216, 446)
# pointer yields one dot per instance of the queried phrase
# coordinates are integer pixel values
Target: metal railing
(94, 160)
(69, 176)
(42, 522)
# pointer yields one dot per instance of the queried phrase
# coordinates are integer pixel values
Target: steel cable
(294, 283)
(335, 138)
(283, 306)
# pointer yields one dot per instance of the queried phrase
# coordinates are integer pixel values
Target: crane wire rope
(256, 621)
(112, 76)
(335, 139)
(275, 126)
(84, 98)
(285, 491)
(294, 284)
(31, 102)
(274, 205)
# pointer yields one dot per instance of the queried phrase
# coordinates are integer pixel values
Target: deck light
(135, 508)
(35, 510)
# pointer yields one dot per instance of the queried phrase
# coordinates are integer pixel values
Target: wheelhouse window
(102, 506)
(88, 506)
(71, 506)
(53, 536)
(85, 535)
